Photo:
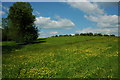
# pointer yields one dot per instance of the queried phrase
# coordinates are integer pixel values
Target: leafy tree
(61, 35)
(90, 34)
(21, 22)
(95, 34)
(106, 35)
(112, 35)
(4, 23)
(56, 35)
(5, 30)
(0, 34)
(69, 35)
(76, 34)
(82, 34)
(99, 34)
(65, 35)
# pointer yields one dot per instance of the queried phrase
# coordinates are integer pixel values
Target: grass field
(62, 57)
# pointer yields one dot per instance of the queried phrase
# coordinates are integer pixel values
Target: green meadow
(61, 57)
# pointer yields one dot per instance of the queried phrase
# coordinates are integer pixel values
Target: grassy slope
(62, 57)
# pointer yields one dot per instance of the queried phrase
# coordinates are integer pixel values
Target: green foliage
(5, 30)
(90, 34)
(21, 22)
(99, 34)
(106, 35)
(0, 34)
(62, 57)
(76, 34)
(4, 23)
(86, 34)
(56, 35)
(112, 35)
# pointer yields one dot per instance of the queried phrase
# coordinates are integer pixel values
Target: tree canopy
(21, 23)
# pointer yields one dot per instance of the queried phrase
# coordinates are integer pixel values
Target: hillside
(62, 57)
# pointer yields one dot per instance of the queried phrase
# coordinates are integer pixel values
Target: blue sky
(56, 18)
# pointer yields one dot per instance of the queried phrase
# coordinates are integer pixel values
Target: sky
(59, 18)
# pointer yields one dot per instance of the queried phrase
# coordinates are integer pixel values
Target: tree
(0, 34)
(106, 35)
(112, 35)
(5, 30)
(99, 34)
(56, 35)
(61, 35)
(95, 34)
(82, 34)
(90, 34)
(69, 35)
(76, 34)
(21, 23)
(65, 35)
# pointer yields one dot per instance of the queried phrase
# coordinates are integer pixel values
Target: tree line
(85, 34)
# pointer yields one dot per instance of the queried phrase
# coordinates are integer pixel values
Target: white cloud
(47, 22)
(46, 33)
(87, 7)
(105, 20)
(96, 14)
(36, 12)
(99, 30)
(53, 32)
(72, 34)
(1, 12)
(43, 34)
(5, 8)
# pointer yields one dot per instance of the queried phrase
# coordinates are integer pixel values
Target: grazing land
(62, 57)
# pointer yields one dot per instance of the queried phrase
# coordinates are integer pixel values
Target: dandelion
(97, 67)
(21, 56)
(109, 76)
(16, 50)
(117, 52)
